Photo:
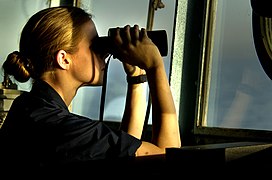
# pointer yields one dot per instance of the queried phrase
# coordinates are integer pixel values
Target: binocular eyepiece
(104, 44)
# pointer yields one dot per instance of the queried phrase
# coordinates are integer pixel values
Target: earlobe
(62, 60)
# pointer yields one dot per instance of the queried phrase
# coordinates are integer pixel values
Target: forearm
(134, 113)
(164, 118)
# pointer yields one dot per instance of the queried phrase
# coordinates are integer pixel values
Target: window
(234, 93)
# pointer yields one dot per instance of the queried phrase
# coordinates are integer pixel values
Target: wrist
(137, 79)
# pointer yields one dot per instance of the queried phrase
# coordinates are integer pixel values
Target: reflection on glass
(240, 93)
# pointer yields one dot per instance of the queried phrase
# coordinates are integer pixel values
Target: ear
(62, 59)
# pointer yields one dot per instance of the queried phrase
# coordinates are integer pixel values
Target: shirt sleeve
(98, 141)
(77, 139)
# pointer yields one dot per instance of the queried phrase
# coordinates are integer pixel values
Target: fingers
(116, 34)
(122, 37)
(127, 35)
(135, 34)
(131, 45)
(125, 38)
(130, 35)
(143, 33)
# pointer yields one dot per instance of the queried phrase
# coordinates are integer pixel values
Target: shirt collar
(43, 90)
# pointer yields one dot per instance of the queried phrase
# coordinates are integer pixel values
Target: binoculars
(104, 44)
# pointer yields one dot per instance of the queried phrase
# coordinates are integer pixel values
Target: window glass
(239, 92)
(13, 16)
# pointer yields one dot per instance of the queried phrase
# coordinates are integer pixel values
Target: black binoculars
(105, 44)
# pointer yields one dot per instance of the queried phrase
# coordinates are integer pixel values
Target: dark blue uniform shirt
(39, 130)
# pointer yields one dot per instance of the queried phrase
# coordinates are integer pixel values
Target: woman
(57, 52)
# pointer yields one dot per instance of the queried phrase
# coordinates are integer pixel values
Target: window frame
(200, 23)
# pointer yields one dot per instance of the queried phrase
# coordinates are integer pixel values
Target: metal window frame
(190, 76)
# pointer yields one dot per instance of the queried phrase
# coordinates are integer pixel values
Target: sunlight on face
(88, 66)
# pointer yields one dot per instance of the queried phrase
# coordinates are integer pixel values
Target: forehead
(89, 30)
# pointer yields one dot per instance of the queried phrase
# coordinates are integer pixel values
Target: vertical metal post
(153, 6)
(53, 3)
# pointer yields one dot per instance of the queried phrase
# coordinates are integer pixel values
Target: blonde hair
(45, 33)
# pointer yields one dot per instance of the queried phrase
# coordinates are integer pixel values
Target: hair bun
(15, 65)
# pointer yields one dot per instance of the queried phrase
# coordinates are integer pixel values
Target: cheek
(83, 68)
(87, 67)
(95, 69)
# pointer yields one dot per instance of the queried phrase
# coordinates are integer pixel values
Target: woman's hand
(134, 47)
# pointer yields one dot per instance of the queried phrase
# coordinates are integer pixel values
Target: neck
(67, 90)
